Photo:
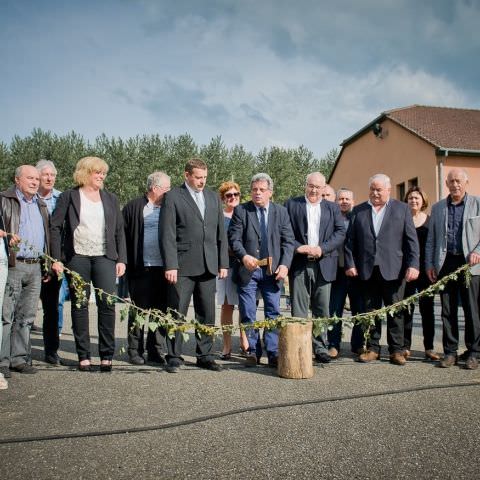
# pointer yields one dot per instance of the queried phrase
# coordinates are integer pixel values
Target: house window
(413, 182)
(401, 191)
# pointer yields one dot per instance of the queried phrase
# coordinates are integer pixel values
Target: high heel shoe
(226, 356)
(86, 367)
(106, 366)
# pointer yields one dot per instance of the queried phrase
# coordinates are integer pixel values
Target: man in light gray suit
(453, 240)
(194, 248)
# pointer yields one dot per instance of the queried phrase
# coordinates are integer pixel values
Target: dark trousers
(148, 289)
(49, 296)
(376, 290)
(101, 272)
(426, 311)
(202, 287)
(470, 302)
(341, 287)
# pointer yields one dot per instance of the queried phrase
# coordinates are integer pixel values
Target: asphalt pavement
(350, 420)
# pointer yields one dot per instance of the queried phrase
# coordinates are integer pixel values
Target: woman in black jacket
(87, 234)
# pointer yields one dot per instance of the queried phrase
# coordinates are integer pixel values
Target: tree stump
(295, 351)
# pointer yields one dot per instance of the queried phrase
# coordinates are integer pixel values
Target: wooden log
(295, 351)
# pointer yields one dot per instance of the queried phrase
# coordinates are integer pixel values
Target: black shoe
(85, 368)
(5, 371)
(52, 359)
(25, 368)
(209, 365)
(105, 367)
(322, 357)
(273, 362)
(464, 356)
(158, 359)
(136, 360)
(173, 365)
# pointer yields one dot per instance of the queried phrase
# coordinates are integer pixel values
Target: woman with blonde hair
(87, 234)
(227, 295)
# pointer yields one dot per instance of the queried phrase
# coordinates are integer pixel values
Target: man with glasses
(145, 267)
(319, 231)
(260, 236)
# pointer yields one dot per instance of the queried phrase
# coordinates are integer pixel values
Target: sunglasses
(231, 195)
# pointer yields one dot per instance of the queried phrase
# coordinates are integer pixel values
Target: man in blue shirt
(25, 214)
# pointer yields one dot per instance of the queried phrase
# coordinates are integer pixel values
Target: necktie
(200, 203)
(263, 235)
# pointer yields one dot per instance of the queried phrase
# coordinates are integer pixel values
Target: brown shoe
(432, 356)
(368, 356)
(398, 358)
(471, 363)
(407, 354)
(448, 361)
(333, 353)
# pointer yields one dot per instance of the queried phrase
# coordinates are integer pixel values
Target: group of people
(188, 241)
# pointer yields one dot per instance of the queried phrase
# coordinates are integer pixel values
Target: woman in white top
(87, 233)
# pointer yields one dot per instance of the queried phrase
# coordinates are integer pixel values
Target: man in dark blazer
(382, 250)
(194, 248)
(261, 237)
(145, 266)
(319, 231)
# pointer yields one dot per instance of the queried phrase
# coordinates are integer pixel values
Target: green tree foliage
(133, 159)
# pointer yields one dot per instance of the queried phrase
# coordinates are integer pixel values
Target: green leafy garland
(172, 322)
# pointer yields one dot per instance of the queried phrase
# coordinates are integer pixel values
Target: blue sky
(256, 72)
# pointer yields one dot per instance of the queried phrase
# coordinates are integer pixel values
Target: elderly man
(25, 214)
(49, 292)
(453, 240)
(319, 232)
(145, 266)
(261, 237)
(382, 250)
(194, 249)
(343, 286)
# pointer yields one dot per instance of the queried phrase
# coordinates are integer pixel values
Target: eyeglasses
(231, 195)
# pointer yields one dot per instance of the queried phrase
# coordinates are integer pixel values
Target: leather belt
(28, 260)
(311, 258)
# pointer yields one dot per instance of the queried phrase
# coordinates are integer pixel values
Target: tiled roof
(450, 128)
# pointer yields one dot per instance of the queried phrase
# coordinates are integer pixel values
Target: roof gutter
(445, 152)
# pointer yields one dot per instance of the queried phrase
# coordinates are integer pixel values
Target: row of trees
(131, 160)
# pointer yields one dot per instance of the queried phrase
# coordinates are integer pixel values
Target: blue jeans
(247, 297)
(3, 281)
(62, 297)
(22, 293)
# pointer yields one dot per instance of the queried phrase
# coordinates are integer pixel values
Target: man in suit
(194, 248)
(343, 286)
(382, 250)
(145, 266)
(453, 240)
(319, 231)
(261, 237)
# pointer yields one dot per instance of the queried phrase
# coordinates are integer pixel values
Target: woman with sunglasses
(227, 295)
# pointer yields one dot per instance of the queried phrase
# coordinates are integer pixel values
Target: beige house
(415, 145)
